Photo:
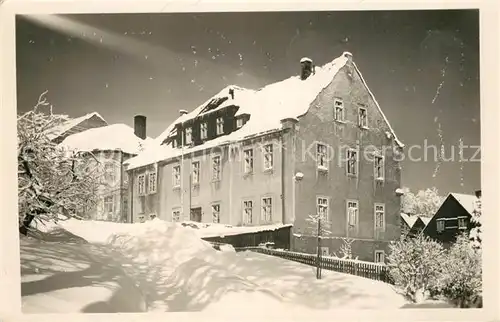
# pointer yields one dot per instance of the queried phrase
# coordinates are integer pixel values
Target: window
(109, 204)
(176, 176)
(440, 225)
(216, 171)
(152, 182)
(379, 167)
(248, 154)
(324, 251)
(268, 157)
(362, 120)
(267, 208)
(339, 110)
(322, 207)
(352, 162)
(195, 175)
(152, 216)
(462, 223)
(220, 126)
(352, 213)
(216, 213)
(109, 173)
(203, 131)
(239, 123)
(247, 211)
(321, 156)
(379, 256)
(141, 184)
(189, 136)
(379, 217)
(176, 215)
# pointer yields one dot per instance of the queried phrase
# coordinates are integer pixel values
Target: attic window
(239, 123)
(339, 110)
(220, 126)
(203, 130)
(189, 137)
(362, 118)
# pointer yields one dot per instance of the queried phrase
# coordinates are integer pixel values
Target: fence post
(356, 268)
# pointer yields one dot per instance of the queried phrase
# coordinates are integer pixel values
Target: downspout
(283, 202)
(121, 185)
(230, 184)
(131, 198)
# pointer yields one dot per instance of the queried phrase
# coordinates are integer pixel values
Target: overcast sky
(422, 66)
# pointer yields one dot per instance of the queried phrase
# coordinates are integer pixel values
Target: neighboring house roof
(290, 98)
(119, 137)
(409, 219)
(466, 201)
(425, 220)
(59, 130)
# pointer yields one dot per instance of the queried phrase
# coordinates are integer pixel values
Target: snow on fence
(374, 271)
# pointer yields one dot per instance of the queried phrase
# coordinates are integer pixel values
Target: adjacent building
(453, 217)
(73, 126)
(108, 147)
(412, 225)
(313, 144)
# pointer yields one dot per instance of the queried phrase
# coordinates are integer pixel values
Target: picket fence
(374, 271)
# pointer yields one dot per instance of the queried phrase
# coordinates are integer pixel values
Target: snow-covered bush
(415, 265)
(460, 280)
(52, 182)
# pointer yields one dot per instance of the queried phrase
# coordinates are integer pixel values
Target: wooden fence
(375, 271)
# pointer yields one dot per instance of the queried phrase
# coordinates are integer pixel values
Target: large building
(107, 148)
(317, 143)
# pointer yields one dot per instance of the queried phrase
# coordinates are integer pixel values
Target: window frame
(203, 130)
(155, 182)
(212, 207)
(106, 203)
(198, 172)
(380, 157)
(188, 132)
(262, 209)
(248, 169)
(324, 166)
(327, 206)
(174, 211)
(141, 192)
(440, 221)
(219, 126)
(376, 252)
(342, 110)
(268, 153)
(363, 108)
(356, 167)
(348, 214)
(245, 214)
(375, 212)
(212, 170)
(176, 183)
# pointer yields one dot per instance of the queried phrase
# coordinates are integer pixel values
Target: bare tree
(320, 228)
(53, 183)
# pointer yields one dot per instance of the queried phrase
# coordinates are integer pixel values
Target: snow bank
(220, 230)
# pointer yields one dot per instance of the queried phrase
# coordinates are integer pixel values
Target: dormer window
(203, 130)
(239, 123)
(220, 126)
(189, 136)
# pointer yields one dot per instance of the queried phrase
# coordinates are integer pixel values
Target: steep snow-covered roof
(467, 201)
(290, 98)
(112, 137)
(68, 125)
(409, 220)
(425, 220)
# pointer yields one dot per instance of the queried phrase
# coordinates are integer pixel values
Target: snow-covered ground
(162, 266)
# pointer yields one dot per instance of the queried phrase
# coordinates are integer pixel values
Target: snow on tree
(476, 231)
(424, 203)
(415, 265)
(53, 183)
(319, 226)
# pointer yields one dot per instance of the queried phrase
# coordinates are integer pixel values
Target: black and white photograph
(279, 161)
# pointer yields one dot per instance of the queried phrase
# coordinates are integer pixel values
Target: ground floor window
(379, 256)
(216, 213)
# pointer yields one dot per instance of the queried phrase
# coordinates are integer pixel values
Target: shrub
(460, 281)
(415, 265)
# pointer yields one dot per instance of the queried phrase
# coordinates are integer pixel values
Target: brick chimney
(140, 126)
(307, 68)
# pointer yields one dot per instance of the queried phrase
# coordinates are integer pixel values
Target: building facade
(256, 157)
